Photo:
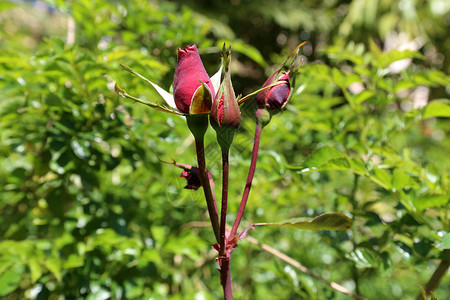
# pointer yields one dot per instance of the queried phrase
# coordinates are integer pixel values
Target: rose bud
(193, 89)
(275, 97)
(225, 112)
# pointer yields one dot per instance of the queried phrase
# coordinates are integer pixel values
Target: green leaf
(338, 78)
(444, 243)
(35, 268)
(363, 258)
(327, 221)
(382, 177)
(437, 108)
(400, 179)
(73, 261)
(54, 265)
(364, 96)
(10, 280)
(319, 158)
(427, 201)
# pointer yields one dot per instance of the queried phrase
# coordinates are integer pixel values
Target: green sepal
(225, 136)
(153, 105)
(201, 101)
(198, 124)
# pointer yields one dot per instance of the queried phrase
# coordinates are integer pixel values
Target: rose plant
(203, 100)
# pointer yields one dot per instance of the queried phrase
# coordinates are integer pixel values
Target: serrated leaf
(327, 221)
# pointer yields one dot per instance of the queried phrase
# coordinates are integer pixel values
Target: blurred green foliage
(87, 210)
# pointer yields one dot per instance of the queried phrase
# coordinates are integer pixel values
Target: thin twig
(335, 286)
(433, 283)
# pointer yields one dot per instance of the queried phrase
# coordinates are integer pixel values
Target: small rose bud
(225, 113)
(276, 97)
(193, 89)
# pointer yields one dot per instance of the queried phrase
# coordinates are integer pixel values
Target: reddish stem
(210, 201)
(225, 274)
(225, 277)
(248, 184)
(223, 211)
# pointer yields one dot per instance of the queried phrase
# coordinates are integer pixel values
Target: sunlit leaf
(319, 158)
(10, 280)
(35, 268)
(73, 261)
(430, 200)
(437, 108)
(54, 265)
(444, 243)
(382, 178)
(327, 221)
(363, 258)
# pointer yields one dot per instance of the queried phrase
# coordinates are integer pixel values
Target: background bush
(87, 210)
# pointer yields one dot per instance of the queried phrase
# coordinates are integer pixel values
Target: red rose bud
(225, 112)
(276, 97)
(193, 89)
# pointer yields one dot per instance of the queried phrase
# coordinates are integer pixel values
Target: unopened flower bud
(225, 112)
(192, 87)
(275, 97)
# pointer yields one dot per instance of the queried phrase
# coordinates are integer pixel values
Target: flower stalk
(248, 183)
(224, 257)
(210, 201)
(201, 100)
